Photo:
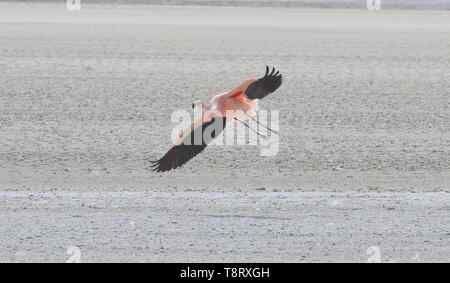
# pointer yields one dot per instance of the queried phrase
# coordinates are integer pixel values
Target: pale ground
(86, 99)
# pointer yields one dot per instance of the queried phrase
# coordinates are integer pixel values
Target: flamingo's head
(197, 103)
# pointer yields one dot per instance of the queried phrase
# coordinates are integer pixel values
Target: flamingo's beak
(197, 103)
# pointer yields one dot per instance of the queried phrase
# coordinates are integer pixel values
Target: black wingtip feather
(265, 85)
(182, 153)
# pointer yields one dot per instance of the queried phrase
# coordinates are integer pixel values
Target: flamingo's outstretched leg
(273, 131)
(245, 124)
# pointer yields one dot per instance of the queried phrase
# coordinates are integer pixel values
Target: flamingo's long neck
(205, 107)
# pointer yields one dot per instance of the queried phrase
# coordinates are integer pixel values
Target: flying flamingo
(244, 97)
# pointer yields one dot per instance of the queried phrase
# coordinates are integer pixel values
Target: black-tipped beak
(193, 105)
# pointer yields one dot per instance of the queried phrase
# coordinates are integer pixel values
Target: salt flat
(195, 227)
(86, 99)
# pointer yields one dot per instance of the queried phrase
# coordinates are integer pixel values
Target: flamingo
(244, 98)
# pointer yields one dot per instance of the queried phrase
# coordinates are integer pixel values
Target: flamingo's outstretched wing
(264, 86)
(194, 142)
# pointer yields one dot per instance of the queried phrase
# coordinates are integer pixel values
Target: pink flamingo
(244, 99)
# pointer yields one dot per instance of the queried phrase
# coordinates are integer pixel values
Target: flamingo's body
(234, 100)
(242, 99)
